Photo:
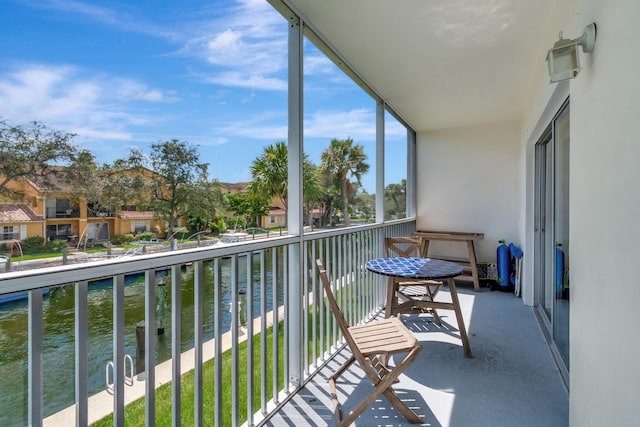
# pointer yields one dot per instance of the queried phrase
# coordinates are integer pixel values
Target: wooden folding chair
(408, 291)
(371, 344)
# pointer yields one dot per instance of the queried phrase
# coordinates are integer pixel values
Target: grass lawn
(134, 412)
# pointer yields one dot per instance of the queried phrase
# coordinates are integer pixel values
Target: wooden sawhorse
(470, 266)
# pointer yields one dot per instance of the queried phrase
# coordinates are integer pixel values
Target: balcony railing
(266, 290)
(53, 213)
(7, 237)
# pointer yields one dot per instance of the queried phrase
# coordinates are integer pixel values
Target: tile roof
(275, 210)
(55, 184)
(18, 212)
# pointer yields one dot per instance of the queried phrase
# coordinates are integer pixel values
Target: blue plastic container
(559, 268)
(503, 256)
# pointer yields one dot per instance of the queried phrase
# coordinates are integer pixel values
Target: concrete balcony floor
(510, 381)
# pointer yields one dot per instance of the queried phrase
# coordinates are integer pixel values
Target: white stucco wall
(468, 180)
(478, 179)
(605, 208)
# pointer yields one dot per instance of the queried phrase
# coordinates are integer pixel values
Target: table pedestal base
(394, 308)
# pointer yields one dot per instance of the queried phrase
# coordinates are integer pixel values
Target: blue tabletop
(415, 268)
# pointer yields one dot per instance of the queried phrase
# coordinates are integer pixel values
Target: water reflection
(58, 324)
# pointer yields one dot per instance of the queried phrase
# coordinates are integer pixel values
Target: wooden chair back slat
(402, 246)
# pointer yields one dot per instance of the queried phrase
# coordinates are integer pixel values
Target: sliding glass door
(551, 233)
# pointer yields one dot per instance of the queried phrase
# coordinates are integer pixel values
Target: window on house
(58, 231)
(140, 226)
(9, 232)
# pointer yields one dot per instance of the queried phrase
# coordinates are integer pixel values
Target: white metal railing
(258, 271)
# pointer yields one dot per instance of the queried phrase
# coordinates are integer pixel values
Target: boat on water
(233, 237)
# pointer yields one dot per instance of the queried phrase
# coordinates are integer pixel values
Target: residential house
(276, 216)
(58, 215)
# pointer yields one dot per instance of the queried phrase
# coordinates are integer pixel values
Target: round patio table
(421, 269)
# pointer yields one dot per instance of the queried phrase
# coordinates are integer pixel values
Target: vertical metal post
(118, 350)
(250, 347)
(295, 137)
(176, 343)
(306, 312)
(263, 331)
(334, 276)
(323, 319)
(198, 340)
(81, 349)
(293, 272)
(379, 161)
(150, 344)
(234, 340)
(411, 173)
(217, 332)
(275, 354)
(35, 358)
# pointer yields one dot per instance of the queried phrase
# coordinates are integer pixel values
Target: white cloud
(247, 47)
(109, 16)
(271, 126)
(249, 81)
(128, 89)
(68, 98)
(101, 134)
(359, 124)
(318, 64)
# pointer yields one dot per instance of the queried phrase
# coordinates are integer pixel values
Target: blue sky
(125, 75)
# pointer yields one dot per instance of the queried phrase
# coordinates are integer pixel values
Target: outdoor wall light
(563, 58)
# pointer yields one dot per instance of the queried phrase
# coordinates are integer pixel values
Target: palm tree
(312, 191)
(344, 162)
(270, 176)
(270, 173)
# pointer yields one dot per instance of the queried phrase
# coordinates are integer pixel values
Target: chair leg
(463, 331)
(337, 408)
(436, 317)
(383, 385)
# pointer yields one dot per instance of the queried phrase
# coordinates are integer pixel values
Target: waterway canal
(59, 357)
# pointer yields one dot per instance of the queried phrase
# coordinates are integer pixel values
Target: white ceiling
(438, 63)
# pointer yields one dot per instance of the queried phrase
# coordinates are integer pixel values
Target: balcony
(510, 377)
(508, 382)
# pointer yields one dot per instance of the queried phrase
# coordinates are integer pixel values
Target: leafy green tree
(33, 152)
(346, 164)
(172, 188)
(330, 198)
(313, 191)
(90, 183)
(124, 188)
(270, 176)
(395, 200)
(248, 206)
(270, 173)
(365, 203)
(206, 202)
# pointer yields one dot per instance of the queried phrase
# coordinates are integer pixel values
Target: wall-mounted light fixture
(563, 58)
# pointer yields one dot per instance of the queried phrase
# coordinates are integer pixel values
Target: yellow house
(276, 217)
(57, 215)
